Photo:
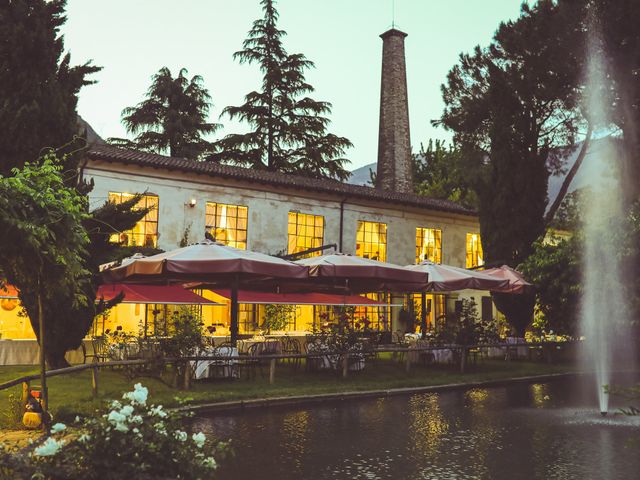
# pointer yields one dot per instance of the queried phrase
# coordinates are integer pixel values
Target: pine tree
(288, 129)
(511, 106)
(38, 85)
(173, 118)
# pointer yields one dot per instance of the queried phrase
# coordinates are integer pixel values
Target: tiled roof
(144, 159)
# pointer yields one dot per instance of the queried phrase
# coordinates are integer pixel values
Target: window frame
(364, 235)
(297, 224)
(420, 233)
(115, 237)
(208, 228)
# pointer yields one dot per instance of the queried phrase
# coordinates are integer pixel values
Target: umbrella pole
(234, 309)
(423, 314)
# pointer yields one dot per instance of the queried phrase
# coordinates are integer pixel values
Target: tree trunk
(568, 179)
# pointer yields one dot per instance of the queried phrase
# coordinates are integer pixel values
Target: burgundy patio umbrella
(445, 278)
(210, 263)
(357, 274)
(515, 281)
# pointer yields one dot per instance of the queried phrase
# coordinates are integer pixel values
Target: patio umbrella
(445, 278)
(211, 263)
(358, 274)
(516, 282)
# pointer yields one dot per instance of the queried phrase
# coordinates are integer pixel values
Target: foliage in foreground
(132, 440)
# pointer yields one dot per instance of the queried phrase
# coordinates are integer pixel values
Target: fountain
(603, 307)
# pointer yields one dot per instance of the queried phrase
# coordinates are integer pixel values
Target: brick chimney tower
(394, 144)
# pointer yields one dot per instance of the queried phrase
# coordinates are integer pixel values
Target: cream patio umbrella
(446, 278)
(357, 274)
(209, 263)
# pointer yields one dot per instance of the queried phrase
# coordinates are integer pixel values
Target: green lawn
(71, 394)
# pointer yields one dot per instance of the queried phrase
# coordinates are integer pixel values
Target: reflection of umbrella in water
(211, 263)
(446, 278)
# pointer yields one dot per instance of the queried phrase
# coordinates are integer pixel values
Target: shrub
(132, 440)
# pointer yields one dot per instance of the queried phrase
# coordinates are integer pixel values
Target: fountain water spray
(603, 313)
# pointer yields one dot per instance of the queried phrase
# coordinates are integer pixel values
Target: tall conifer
(288, 129)
(38, 84)
(173, 117)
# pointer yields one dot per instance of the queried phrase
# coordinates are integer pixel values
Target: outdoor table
(27, 352)
(202, 369)
(244, 345)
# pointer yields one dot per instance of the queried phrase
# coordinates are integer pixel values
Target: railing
(463, 350)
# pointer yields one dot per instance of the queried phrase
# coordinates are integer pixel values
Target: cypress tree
(38, 84)
(288, 129)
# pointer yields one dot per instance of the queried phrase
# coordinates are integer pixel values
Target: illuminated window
(436, 310)
(371, 240)
(145, 233)
(305, 231)
(428, 245)
(475, 257)
(227, 224)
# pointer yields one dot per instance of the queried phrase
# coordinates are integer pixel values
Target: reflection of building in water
(428, 425)
(295, 433)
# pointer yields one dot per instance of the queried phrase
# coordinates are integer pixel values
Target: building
(280, 214)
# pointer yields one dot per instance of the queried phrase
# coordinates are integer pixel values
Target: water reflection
(542, 431)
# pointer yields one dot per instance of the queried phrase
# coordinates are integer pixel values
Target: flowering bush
(132, 440)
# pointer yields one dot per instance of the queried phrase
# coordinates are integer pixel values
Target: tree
(43, 248)
(438, 172)
(288, 129)
(38, 85)
(555, 270)
(511, 107)
(172, 119)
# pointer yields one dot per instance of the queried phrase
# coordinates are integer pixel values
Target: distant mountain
(85, 128)
(593, 171)
(361, 176)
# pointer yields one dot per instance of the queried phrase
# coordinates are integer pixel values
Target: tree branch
(567, 180)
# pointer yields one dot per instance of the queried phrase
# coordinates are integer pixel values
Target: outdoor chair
(291, 346)
(252, 361)
(100, 350)
(225, 367)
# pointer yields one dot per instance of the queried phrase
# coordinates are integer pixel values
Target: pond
(523, 431)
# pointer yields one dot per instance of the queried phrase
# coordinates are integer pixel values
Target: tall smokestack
(394, 143)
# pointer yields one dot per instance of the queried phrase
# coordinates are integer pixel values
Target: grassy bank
(71, 394)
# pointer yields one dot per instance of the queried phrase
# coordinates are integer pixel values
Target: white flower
(126, 410)
(209, 462)
(122, 427)
(116, 417)
(139, 394)
(84, 438)
(77, 419)
(49, 448)
(58, 427)
(160, 428)
(181, 436)
(158, 411)
(116, 405)
(199, 439)
(135, 419)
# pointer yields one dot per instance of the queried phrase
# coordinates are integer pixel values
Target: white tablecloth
(27, 352)
(224, 368)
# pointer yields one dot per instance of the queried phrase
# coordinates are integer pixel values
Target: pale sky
(133, 39)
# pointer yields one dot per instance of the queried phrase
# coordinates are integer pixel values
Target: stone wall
(269, 208)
